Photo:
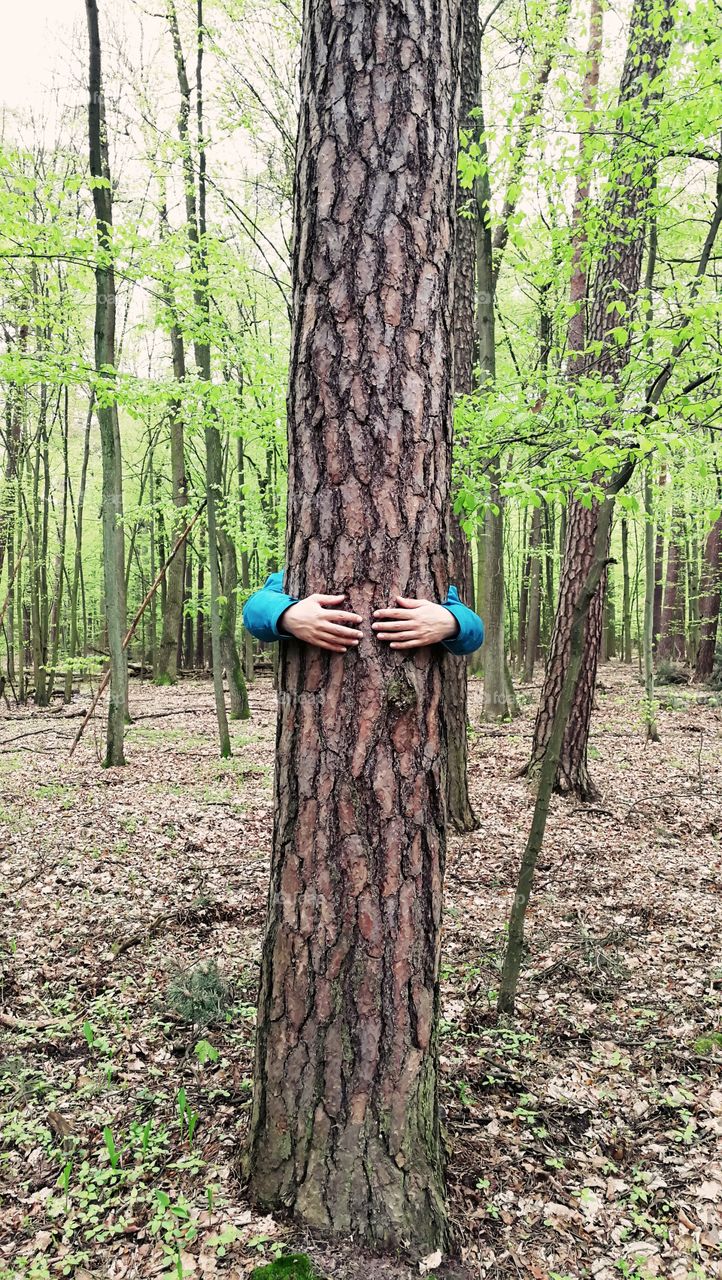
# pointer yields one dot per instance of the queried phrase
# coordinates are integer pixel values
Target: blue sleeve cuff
(263, 610)
(470, 635)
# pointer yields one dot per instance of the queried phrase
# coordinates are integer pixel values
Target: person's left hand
(414, 624)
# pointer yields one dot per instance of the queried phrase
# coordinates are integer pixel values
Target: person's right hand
(318, 620)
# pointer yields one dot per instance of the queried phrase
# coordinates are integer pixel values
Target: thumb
(329, 600)
(407, 603)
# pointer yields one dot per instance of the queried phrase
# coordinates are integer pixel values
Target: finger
(340, 616)
(391, 613)
(328, 600)
(406, 644)
(407, 603)
(341, 633)
(396, 636)
(402, 624)
(330, 645)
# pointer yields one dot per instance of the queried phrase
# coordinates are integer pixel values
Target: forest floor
(585, 1136)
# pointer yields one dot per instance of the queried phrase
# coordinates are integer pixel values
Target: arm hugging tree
(345, 1126)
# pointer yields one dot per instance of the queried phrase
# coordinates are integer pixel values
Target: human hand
(317, 620)
(414, 624)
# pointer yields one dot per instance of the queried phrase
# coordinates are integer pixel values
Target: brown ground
(584, 1137)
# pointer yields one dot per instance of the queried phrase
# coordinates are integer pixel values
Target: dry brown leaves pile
(584, 1136)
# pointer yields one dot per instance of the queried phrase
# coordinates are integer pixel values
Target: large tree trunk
(107, 408)
(345, 1122)
(617, 277)
(709, 601)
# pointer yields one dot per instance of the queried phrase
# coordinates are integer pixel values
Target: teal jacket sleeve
(262, 611)
(470, 635)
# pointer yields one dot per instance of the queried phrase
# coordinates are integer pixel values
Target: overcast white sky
(35, 35)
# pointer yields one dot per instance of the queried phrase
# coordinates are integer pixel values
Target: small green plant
(200, 996)
(708, 1044)
(295, 1266)
(187, 1116)
(205, 1052)
(111, 1147)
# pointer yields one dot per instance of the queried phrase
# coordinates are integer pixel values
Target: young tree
(345, 1122)
(106, 404)
(195, 201)
(617, 280)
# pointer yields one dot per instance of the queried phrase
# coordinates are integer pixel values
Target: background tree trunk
(107, 408)
(460, 812)
(709, 601)
(671, 646)
(345, 1123)
(617, 276)
(167, 667)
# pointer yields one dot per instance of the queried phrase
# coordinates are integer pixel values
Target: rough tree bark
(460, 812)
(345, 1122)
(617, 277)
(106, 405)
(709, 601)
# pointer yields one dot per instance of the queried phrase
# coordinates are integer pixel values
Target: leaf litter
(584, 1136)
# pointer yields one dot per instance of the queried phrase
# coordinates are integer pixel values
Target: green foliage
(296, 1266)
(200, 996)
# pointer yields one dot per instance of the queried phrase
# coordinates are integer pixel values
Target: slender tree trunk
(671, 646)
(659, 565)
(238, 694)
(531, 638)
(60, 573)
(107, 408)
(617, 276)
(78, 557)
(649, 593)
(200, 660)
(626, 597)
(550, 763)
(709, 601)
(196, 228)
(345, 1122)
(460, 812)
(167, 668)
(248, 660)
(188, 618)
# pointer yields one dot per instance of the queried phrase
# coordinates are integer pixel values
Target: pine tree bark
(345, 1121)
(460, 813)
(106, 404)
(617, 277)
(709, 601)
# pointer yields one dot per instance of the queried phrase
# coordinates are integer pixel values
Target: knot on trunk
(401, 695)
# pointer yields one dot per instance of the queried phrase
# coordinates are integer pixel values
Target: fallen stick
(131, 630)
